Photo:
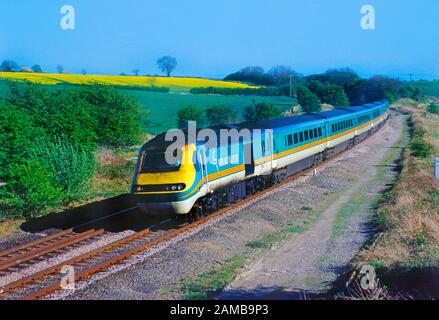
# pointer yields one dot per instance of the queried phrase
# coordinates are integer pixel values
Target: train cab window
(301, 136)
(155, 162)
(296, 138)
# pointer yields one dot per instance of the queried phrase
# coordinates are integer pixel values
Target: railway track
(48, 281)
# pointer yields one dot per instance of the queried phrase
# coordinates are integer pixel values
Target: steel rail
(64, 243)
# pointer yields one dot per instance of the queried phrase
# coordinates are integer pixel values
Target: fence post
(436, 168)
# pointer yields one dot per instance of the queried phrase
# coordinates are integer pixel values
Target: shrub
(69, 167)
(18, 135)
(433, 108)
(220, 114)
(421, 149)
(334, 95)
(30, 191)
(117, 115)
(261, 111)
(189, 113)
(308, 100)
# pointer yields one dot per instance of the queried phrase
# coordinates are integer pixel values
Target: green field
(428, 88)
(164, 106)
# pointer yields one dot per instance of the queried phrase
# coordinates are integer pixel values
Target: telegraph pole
(411, 76)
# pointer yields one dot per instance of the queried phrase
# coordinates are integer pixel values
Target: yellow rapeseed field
(48, 78)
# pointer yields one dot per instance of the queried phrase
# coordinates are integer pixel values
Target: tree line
(218, 115)
(338, 87)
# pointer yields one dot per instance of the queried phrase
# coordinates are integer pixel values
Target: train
(272, 151)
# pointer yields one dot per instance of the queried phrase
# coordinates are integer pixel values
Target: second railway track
(48, 281)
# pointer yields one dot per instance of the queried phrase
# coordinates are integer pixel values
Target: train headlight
(181, 186)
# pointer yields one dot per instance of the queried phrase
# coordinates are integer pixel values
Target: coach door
(249, 158)
(267, 150)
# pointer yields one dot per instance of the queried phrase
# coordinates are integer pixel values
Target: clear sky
(213, 38)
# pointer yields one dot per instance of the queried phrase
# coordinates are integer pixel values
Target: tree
(334, 95)
(167, 64)
(60, 69)
(37, 68)
(308, 100)
(84, 72)
(189, 113)
(253, 74)
(8, 66)
(220, 115)
(136, 72)
(261, 111)
(283, 75)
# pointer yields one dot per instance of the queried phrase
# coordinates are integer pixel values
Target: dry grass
(408, 218)
(9, 227)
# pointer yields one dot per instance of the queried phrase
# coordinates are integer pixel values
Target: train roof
(159, 142)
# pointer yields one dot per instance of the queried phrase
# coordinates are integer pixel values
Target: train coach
(277, 149)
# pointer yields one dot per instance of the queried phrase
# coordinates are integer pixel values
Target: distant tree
(220, 114)
(416, 94)
(8, 66)
(84, 72)
(136, 72)
(253, 74)
(309, 101)
(261, 111)
(281, 75)
(189, 113)
(37, 68)
(167, 64)
(60, 69)
(334, 95)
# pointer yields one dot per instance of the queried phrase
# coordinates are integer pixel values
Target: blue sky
(213, 38)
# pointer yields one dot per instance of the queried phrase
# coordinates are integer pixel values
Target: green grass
(213, 280)
(164, 106)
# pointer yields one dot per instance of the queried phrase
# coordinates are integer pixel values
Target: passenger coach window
(301, 136)
(311, 134)
(306, 135)
(296, 138)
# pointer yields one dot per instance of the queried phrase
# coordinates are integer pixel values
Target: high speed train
(277, 149)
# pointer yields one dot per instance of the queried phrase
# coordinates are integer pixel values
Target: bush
(334, 95)
(261, 111)
(433, 108)
(30, 191)
(266, 91)
(69, 167)
(421, 149)
(189, 113)
(18, 135)
(117, 115)
(308, 100)
(220, 114)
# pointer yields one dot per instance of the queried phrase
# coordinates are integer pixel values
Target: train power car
(278, 148)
